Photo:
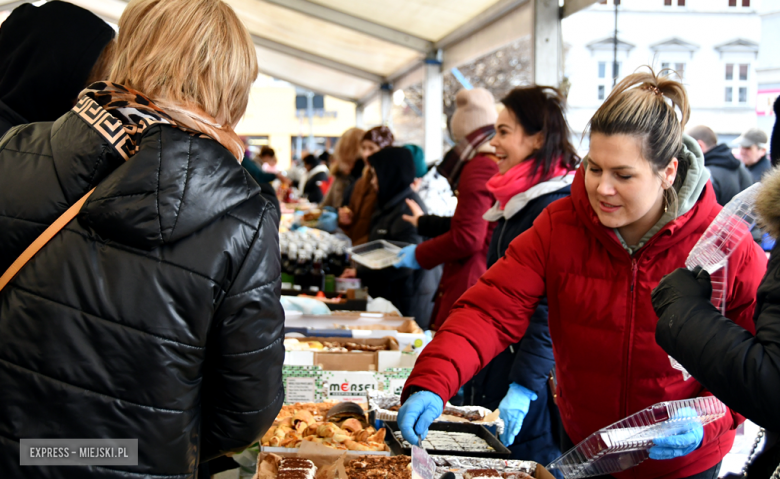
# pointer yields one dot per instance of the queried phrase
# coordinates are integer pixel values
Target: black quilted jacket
(153, 315)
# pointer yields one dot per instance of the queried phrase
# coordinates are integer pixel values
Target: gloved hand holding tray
(626, 443)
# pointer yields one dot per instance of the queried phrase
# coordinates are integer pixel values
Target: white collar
(316, 170)
(520, 200)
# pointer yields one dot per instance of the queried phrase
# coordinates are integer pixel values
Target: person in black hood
(728, 175)
(411, 291)
(46, 56)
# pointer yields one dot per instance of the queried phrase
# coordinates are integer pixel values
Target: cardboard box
(409, 335)
(346, 318)
(315, 376)
(313, 384)
(351, 360)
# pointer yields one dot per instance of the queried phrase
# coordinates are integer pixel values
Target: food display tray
(378, 254)
(501, 452)
(293, 452)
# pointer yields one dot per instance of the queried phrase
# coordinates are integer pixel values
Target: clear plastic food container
(378, 254)
(626, 443)
(723, 235)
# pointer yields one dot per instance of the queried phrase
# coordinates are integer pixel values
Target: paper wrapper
(325, 458)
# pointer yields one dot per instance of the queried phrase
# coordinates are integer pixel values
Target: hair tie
(654, 89)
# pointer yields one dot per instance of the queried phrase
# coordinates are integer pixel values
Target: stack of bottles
(312, 260)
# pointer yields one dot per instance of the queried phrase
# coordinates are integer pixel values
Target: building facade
(273, 119)
(768, 70)
(713, 45)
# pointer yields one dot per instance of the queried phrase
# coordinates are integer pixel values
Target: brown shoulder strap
(41, 241)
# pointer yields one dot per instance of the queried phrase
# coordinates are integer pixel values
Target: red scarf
(518, 179)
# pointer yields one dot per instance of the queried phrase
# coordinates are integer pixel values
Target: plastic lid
(625, 444)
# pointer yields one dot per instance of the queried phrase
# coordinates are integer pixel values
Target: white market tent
(362, 50)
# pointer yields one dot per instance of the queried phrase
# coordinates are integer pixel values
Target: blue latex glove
(328, 221)
(513, 409)
(407, 258)
(684, 440)
(417, 414)
(767, 242)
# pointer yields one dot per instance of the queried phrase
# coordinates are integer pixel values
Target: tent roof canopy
(350, 48)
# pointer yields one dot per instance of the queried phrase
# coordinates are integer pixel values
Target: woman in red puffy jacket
(638, 204)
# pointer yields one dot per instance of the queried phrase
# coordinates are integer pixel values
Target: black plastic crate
(501, 452)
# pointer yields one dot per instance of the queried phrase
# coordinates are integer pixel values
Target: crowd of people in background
(547, 285)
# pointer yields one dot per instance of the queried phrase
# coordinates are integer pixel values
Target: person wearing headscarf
(48, 54)
(411, 291)
(355, 219)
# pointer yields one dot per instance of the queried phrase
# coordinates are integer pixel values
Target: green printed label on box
(349, 385)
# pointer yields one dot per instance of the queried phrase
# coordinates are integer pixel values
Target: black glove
(681, 284)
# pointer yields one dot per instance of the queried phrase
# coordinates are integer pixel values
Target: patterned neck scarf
(455, 159)
(121, 115)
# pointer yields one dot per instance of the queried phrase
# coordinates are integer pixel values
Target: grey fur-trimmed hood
(768, 203)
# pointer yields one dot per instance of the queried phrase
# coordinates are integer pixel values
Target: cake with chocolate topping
(296, 468)
(380, 467)
(482, 474)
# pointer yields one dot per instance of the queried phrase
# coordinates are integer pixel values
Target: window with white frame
(737, 82)
(672, 68)
(605, 76)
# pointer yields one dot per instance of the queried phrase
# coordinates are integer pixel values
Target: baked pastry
(305, 422)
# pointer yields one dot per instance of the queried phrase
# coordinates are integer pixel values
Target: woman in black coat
(411, 291)
(316, 174)
(740, 368)
(155, 313)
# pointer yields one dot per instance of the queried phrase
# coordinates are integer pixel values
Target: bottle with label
(302, 271)
(316, 276)
(288, 267)
(338, 260)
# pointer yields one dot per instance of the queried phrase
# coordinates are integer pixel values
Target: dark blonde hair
(190, 52)
(103, 64)
(643, 105)
(347, 151)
